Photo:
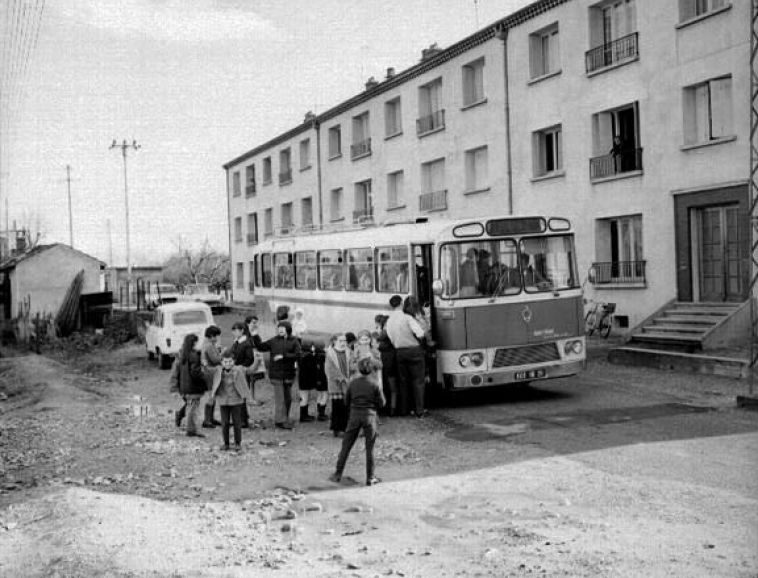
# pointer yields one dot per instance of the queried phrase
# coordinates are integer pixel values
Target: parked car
(203, 292)
(169, 325)
(162, 293)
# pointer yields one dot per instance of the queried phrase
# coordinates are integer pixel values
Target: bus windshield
(496, 267)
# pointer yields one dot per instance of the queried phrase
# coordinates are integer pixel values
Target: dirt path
(96, 481)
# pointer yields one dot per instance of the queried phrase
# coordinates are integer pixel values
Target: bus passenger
(406, 334)
(469, 275)
(337, 368)
(389, 364)
(532, 277)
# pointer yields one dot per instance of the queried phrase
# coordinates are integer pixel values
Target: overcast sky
(196, 83)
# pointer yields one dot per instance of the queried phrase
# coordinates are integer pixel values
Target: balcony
(238, 238)
(433, 201)
(252, 239)
(285, 177)
(430, 123)
(625, 161)
(268, 234)
(362, 216)
(360, 149)
(250, 189)
(266, 180)
(618, 273)
(251, 287)
(286, 229)
(615, 52)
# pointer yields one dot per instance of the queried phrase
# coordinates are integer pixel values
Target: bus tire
(589, 322)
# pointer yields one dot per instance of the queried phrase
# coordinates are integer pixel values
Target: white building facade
(629, 117)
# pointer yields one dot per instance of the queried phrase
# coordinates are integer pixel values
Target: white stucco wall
(44, 278)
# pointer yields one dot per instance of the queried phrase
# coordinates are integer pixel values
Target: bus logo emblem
(526, 314)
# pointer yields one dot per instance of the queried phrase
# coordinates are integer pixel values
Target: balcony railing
(361, 216)
(625, 161)
(285, 177)
(266, 180)
(432, 122)
(252, 239)
(268, 234)
(433, 201)
(250, 189)
(286, 229)
(238, 238)
(251, 287)
(618, 272)
(360, 149)
(624, 48)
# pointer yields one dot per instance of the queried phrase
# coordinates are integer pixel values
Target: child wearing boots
(312, 382)
(230, 392)
(210, 359)
(364, 398)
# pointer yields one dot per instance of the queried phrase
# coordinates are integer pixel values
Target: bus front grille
(526, 355)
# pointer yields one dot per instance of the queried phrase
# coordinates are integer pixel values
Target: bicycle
(600, 318)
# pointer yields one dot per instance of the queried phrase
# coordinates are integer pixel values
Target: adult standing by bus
(285, 351)
(406, 334)
(210, 359)
(242, 352)
(337, 368)
(192, 384)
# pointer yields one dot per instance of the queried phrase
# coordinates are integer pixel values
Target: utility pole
(124, 146)
(70, 212)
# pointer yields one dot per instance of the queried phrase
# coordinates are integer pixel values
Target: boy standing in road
(364, 397)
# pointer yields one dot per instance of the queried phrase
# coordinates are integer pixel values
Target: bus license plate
(530, 374)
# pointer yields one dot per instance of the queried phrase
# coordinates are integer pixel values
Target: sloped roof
(11, 262)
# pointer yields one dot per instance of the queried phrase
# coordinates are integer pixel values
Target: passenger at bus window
(366, 283)
(352, 277)
(310, 279)
(401, 280)
(532, 277)
(468, 274)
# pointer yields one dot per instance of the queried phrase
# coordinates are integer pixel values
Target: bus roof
(404, 233)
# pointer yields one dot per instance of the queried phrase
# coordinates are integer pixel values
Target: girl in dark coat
(285, 352)
(242, 352)
(312, 377)
(192, 384)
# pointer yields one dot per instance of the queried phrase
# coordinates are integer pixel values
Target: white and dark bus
(502, 294)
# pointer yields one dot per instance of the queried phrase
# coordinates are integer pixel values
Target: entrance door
(422, 289)
(720, 267)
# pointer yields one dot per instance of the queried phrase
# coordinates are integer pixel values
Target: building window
(237, 229)
(335, 142)
(434, 194)
(618, 246)
(708, 111)
(335, 205)
(252, 229)
(613, 34)
(250, 181)
(285, 166)
(268, 222)
(689, 9)
(305, 270)
(251, 277)
(364, 210)
(395, 189)
(393, 122)
(287, 222)
(615, 135)
(306, 211)
(305, 154)
(547, 146)
(430, 111)
(267, 171)
(544, 52)
(361, 146)
(236, 186)
(476, 169)
(240, 280)
(473, 82)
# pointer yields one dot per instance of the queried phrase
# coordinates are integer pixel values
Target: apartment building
(623, 115)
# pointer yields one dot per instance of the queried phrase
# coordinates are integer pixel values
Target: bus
(502, 294)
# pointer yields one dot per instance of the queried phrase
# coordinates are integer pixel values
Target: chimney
(427, 53)
(309, 116)
(390, 72)
(371, 83)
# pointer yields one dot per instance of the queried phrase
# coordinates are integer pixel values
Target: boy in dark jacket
(285, 352)
(364, 397)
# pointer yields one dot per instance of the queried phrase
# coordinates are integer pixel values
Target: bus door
(422, 276)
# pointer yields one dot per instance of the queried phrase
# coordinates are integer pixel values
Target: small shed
(42, 276)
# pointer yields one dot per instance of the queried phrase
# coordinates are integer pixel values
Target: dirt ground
(96, 480)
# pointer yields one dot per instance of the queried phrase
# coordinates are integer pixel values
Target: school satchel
(173, 378)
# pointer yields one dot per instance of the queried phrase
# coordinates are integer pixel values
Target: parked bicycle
(599, 318)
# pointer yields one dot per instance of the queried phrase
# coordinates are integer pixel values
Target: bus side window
(330, 273)
(266, 269)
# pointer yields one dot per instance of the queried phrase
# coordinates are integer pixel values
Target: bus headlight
(573, 347)
(475, 359)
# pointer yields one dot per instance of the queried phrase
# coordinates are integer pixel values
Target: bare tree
(191, 266)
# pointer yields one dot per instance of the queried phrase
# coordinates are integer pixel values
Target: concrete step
(673, 337)
(690, 309)
(674, 317)
(677, 361)
(676, 328)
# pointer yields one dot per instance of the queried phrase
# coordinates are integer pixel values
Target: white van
(169, 325)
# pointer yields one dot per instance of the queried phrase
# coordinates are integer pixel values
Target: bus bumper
(509, 375)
